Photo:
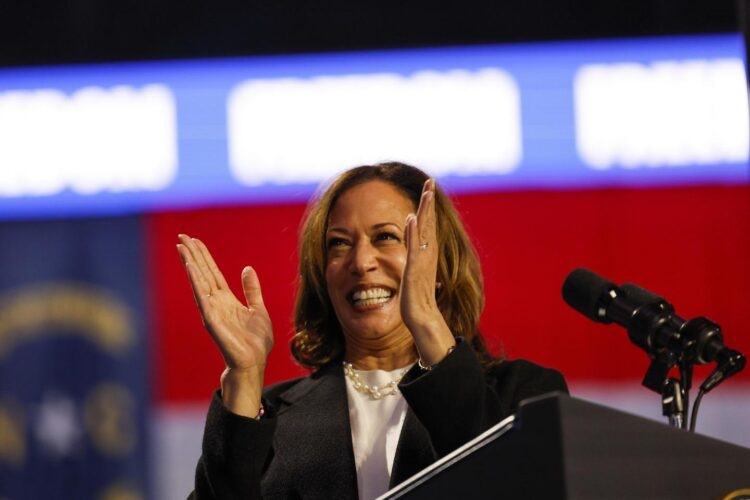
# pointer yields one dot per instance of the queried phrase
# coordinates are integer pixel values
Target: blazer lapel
(414, 451)
(313, 436)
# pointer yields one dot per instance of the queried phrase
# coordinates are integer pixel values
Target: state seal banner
(73, 364)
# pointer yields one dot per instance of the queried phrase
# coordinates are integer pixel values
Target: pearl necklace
(375, 392)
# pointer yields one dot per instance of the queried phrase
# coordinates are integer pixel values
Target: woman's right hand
(243, 334)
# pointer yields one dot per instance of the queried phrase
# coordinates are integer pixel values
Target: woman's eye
(335, 242)
(387, 236)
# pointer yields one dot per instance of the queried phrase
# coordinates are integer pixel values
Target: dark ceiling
(99, 30)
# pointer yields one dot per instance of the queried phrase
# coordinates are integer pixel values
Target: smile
(370, 297)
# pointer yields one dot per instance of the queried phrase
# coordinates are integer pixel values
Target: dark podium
(561, 447)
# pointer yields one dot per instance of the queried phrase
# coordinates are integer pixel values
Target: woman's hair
(318, 339)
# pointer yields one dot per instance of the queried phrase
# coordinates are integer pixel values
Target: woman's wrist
(425, 367)
(241, 391)
(434, 344)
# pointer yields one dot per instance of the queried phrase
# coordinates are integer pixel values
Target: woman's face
(365, 259)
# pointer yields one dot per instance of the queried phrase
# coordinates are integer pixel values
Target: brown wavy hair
(318, 339)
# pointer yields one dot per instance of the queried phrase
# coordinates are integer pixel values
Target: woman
(387, 320)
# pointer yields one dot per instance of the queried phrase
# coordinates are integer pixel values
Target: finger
(202, 264)
(251, 287)
(426, 213)
(188, 260)
(211, 263)
(192, 256)
(410, 235)
(418, 283)
(413, 240)
(201, 288)
(200, 257)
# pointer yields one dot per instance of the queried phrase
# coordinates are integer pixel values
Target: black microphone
(650, 320)
(668, 339)
(599, 299)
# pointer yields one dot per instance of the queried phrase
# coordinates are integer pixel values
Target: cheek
(333, 272)
(398, 261)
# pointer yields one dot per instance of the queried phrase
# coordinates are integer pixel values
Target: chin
(373, 329)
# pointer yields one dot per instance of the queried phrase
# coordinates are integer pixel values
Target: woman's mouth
(370, 297)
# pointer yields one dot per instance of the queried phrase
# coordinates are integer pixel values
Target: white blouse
(376, 426)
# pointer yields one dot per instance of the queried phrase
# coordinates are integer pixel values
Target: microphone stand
(674, 392)
(673, 403)
(686, 376)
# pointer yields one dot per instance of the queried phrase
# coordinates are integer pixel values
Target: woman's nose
(362, 258)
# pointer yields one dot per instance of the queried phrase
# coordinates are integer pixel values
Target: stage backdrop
(629, 157)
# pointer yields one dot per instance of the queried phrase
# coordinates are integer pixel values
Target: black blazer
(302, 448)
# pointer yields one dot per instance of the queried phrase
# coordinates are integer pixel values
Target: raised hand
(243, 333)
(419, 307)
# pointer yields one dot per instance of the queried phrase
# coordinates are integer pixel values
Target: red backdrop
(690, 245)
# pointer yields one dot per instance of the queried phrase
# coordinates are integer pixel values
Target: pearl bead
(377, 392)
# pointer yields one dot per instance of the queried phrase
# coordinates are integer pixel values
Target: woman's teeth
(371, 296)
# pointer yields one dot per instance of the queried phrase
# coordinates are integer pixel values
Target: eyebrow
(374, 227)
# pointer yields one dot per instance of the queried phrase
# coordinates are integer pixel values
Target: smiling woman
(387, 320)
(397, 190)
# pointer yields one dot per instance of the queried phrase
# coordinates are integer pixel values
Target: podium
(559, 447)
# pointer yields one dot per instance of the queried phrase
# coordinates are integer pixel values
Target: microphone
(650, 320)
(668, 339)
(596, 298)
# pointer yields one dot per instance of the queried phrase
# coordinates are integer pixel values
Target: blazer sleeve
(458, 400)
(234, 453)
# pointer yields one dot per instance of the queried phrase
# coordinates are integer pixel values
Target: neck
(383, 353)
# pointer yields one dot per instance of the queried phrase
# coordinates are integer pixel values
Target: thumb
(251, 287)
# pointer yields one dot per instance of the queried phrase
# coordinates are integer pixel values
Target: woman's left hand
(419, 308)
